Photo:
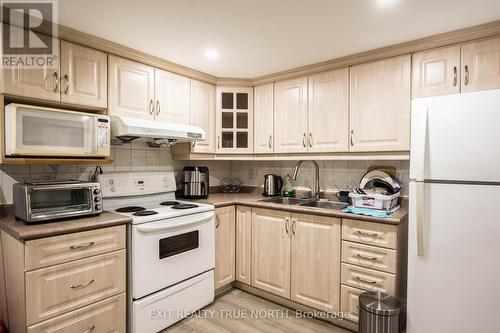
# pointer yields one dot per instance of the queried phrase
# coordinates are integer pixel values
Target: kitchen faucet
(316, 187)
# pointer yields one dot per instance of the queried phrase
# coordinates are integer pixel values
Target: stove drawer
(59, 289)
(50, 251)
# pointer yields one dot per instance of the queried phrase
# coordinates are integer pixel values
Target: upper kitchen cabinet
(263, 118)
(83, 76)
(234, 120)
(481, 65)
(380, 105)
(41, 82)
(290, 116)
(203, 114)
(436, 72)
(130, 88)
(328, 114)
(172, 94)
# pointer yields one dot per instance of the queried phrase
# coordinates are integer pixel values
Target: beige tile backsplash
(140, 157)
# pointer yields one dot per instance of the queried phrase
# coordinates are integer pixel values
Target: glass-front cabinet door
(234, 120)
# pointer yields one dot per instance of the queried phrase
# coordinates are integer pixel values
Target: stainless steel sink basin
(334, 205)
(285, 200)
(325, 204)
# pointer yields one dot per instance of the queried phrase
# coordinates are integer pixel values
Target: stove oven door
(169, 251)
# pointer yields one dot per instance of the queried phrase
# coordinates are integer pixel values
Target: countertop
(253, 200)
(24, 232)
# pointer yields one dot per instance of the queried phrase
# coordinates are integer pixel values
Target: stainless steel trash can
(379, 313)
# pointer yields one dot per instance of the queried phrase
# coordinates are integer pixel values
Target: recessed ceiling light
(211, 54)
(386, 3)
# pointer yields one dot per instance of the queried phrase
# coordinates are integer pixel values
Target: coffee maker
(195, 184)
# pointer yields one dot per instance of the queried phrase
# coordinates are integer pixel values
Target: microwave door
(49, 133)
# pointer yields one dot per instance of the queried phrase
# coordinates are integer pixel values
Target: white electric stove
(171, 246)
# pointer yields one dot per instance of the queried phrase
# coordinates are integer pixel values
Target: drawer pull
(90, 330)
(372, 234)
(80, 286)
(365, 257)
(82, 246)
(365, 281)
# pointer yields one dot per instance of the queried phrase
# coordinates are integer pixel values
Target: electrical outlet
(251, 174)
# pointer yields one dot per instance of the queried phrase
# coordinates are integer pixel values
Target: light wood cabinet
(349, 300)
(377, 234)
(172, 93)
(368, 279)
(436, 72)
(224, 246)
(328, 112)
(290, 116)
(263, 118)
(104, 316)
(50, 251)
(369, 256)
(131, 88)
(243, 244)
(41, 83)
(203, 114)
(380, 105)
(83, 76)
(315, 256)
(271, 251)
(481, 65)
(58, 289)
(234, 120)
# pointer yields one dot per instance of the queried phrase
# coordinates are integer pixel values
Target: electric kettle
(272, 185)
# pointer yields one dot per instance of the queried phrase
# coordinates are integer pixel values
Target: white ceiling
(259, 37)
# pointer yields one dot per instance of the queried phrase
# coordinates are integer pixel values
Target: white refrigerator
(454, 218)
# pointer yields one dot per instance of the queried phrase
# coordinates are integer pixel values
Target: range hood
(128, 129)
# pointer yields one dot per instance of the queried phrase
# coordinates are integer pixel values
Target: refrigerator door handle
(422, 151)
(420, 218)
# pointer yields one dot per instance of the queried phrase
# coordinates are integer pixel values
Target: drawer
(370, 233)
(349, 302)
(105, 316)
(368, 279)
(62, 288)
(59, 249)
(369, 256)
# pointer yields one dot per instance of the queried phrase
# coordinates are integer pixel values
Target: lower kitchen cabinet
(67, 283)
(243, 244)
(315, 266)
(224, 246)
(271, 251)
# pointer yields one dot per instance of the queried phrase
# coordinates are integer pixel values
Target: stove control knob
(97, 191)
(97, 199)
(97, 207)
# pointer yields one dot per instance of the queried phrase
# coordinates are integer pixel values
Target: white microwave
(47, 132)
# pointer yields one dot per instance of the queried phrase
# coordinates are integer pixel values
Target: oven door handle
(189, 220)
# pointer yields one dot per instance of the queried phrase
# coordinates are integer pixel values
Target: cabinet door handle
(352, 139)
(151, 106)
(82, 246)
(310, 139)
(365, 281)
(217, 222)
(56, 77)
(455, 76)
(90, 330)
(372, 234)
(270, 141)
(80, 286)
(218, 142)
(466, 78)
(157, 107)
(66, 80)
(293, 226)
(286, 226)
(304, 140)
(365, 257)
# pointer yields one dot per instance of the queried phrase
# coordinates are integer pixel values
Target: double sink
(313, 203)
